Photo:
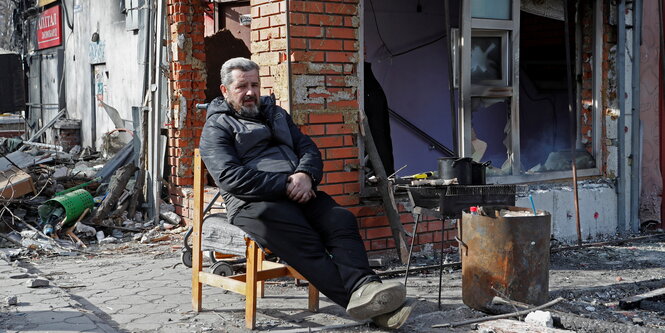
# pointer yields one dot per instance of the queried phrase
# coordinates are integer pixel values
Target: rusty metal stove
(448, 201)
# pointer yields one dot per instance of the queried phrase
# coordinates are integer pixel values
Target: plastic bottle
(473, 210)
(48, 229)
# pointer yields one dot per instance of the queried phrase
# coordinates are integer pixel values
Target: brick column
(324, 57)
(187, 74)
(269, 47)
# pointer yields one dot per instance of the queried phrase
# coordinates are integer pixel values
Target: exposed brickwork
(68, 137)
(269, 47)
(609, 78)
(187, 83)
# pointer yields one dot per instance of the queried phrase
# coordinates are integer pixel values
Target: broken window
(509, 83)
(545, 121)
(516, 102)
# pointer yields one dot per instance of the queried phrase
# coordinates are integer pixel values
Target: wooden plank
(272, 273)
(634, 301)
(197, 258)
(265, 274)
(295, 274)
(224, 282)
(385, 189)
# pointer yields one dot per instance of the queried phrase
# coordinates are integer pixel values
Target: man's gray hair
(240, 63)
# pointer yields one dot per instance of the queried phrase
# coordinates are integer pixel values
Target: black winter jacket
(251, 159)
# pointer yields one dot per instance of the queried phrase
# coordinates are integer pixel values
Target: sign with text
(49, 28)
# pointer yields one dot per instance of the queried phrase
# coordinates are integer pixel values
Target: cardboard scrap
(15, 183)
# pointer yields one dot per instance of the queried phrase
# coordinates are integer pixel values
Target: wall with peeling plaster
(119, 49)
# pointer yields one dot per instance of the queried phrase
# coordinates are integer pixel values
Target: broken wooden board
(634, 301)
(15, 183)
(515, 326)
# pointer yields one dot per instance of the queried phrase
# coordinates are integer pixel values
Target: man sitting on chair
(267, 171)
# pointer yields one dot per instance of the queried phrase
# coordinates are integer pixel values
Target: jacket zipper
(286, 157)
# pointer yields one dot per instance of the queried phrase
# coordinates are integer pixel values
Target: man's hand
(299, 188)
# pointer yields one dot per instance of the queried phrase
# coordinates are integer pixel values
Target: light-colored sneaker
(394, 320)
(375, 298)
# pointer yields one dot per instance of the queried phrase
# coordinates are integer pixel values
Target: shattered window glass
(486, 61)
(490, 133)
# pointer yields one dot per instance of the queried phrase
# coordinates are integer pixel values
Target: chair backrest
(200, 171)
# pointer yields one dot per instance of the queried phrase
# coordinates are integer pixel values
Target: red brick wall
(269, 47)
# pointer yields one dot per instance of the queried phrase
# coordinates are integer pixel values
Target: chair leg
(197, 266)
(251, 285)
(197, 260)
(313, 298)
(260, 285)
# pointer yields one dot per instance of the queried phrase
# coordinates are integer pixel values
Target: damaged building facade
(482, 79)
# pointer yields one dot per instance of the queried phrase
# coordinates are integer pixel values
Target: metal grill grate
(456, 190)
(450, 200)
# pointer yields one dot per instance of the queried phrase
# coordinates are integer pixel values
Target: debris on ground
(55, 202)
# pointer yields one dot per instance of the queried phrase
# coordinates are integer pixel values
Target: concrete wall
(121, 52)
(597, 217)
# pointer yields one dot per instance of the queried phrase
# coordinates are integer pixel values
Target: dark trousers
(319, 239)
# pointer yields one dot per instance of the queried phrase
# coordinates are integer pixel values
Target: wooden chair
(258, 269)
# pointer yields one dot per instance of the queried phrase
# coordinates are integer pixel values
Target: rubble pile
(59, 202)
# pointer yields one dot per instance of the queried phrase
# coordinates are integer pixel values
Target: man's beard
(248, 111)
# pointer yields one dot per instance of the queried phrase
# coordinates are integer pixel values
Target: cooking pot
(478, 172)
(456, 167)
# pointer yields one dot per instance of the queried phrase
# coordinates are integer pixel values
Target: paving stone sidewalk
(144, 291)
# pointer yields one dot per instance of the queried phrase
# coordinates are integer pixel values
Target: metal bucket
(504, 256)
